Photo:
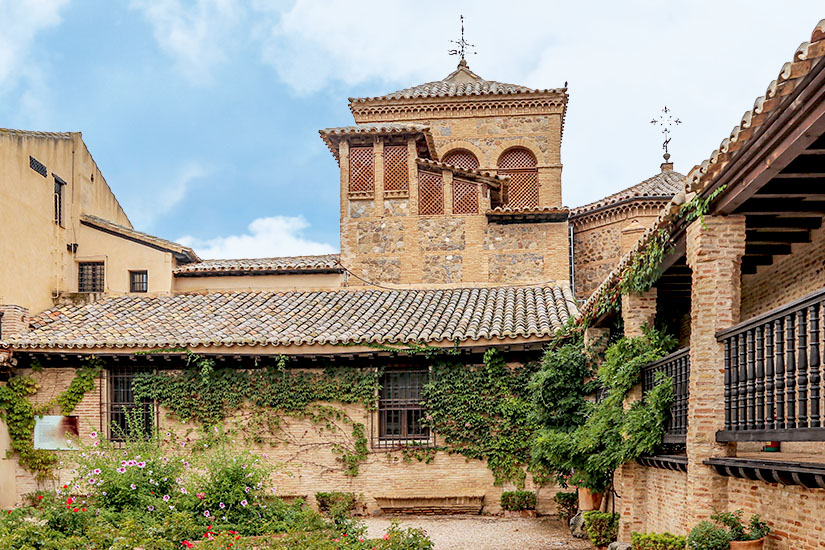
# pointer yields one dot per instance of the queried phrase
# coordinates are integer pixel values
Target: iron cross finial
(667, 121)
(462, 44)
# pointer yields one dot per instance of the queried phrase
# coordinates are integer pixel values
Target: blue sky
(203, 115)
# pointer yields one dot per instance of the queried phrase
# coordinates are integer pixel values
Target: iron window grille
(90, 276)
(400, 413)
(139, 281)
(1, 325)
(121, 416)
(58, 200)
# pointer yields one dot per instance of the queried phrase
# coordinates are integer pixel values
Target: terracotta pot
(747, 544)
(589, 500)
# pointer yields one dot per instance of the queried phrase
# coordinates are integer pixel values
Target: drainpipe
(572, 266)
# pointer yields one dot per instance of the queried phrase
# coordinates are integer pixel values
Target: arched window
(461, 158)
(520, 164)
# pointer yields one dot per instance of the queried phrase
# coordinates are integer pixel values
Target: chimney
(14, 320)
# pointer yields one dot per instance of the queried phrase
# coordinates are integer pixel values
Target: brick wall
(13, 320)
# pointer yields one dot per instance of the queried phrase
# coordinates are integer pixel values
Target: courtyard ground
(486, 533)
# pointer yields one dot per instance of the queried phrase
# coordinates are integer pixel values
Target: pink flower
(121, 470)
(244, 502)
(222, 505)
(246, 489)
(183, 490)
(206, 513)
(96, 471)
(133, 486)
(93, 435)
(91, 481)
(166, 498)
(141, 464)
(150, 508)
(201, 495)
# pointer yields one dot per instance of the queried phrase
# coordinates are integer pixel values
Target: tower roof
(460, 82)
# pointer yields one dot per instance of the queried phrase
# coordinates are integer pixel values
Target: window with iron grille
(38, 166)
(121, 416)
(396, 169)
(58, 201)
(461, 158)
(90, 277)
(430, 193)
(523, 188)
(400, 413)
(138, 281)
(1, 325)
(361, 170)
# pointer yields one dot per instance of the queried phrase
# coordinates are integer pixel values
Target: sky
(203, 115)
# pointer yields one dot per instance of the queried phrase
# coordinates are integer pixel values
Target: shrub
(736, 528)
(654, 541)
(518, 500)
(601, 527)
(708, 536)
(567, 504)
(336, 502)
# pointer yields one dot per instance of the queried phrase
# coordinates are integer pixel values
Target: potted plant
(519, 503)
(589, 500)
(741, 537)
(601, 527)
(708, 536)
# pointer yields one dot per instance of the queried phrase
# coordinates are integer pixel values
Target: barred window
(38, 166)
(125, 417)
(400, 413)
(520, 164)
(58, 200)
(139, 281)
(90, 277)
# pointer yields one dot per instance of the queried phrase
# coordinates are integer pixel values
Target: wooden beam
(778, 237)
(810, 151)
(769, 249)
(757, 259)
(775, 223)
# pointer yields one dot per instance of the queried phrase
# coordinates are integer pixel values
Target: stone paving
(486, 533)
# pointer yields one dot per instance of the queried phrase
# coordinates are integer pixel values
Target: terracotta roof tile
(664, 184)
(129, 233)
(286, 264)
(331, 135)
(294, 318)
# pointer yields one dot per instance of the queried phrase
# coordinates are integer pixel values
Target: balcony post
(637, 311)
(715, 248)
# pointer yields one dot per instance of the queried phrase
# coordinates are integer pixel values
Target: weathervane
(462, 44)
(666, 121)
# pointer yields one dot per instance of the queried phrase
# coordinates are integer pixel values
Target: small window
(38, 166)
(90, 277)
(138, 281)
(361, 170)
(124, 417)
(58, 200)
(400, 413)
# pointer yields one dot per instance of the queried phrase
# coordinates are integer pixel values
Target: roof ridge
(37, 133)
(668, 188)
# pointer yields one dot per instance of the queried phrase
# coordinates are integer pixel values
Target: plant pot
(589, 500)
(747, 544)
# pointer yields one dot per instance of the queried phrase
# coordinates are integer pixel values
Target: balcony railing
(773, 382)
(677, 366)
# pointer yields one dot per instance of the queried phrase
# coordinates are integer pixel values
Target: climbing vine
(20, 414)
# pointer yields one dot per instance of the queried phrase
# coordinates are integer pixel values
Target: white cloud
(20, 24)
(194, 35)
(149, 207)
(266, 237)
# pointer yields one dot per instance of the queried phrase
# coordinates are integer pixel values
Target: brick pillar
(378, 156)
(714, 253)
(14, 320)
(637, 312)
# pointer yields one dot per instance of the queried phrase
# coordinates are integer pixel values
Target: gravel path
(486, 533)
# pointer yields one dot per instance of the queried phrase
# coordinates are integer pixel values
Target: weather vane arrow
(463, 45)
(667, 122)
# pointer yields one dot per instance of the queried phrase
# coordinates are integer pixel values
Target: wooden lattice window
(523, 189)
(396, 170)
(361, 170)
(461, 158)
(465, 197)
(400, 413)
(430, 194)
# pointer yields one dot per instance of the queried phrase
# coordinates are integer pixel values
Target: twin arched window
(520, 164)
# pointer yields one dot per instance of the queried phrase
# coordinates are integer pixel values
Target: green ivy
(612, 435)
(20, 415)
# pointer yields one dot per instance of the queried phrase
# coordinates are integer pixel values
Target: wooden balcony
(773, 381)
(677, 366)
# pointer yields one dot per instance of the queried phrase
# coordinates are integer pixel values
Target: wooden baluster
(780, 375)
(751, 386)
(802, 368)
(770, 412)
(734, 383)
(727, 385)
(760, 380)
(685, 395)
(743, 383)
(790, 372)
(813, 364)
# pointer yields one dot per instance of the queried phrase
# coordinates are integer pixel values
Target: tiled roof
(330, 135)
(461, 82)
(662, 185)
(479, 175)
(131, 234)
(34, 133)
(294, 318)
(807, 56)
(286, 264)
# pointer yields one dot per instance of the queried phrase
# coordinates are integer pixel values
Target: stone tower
(453, 183)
